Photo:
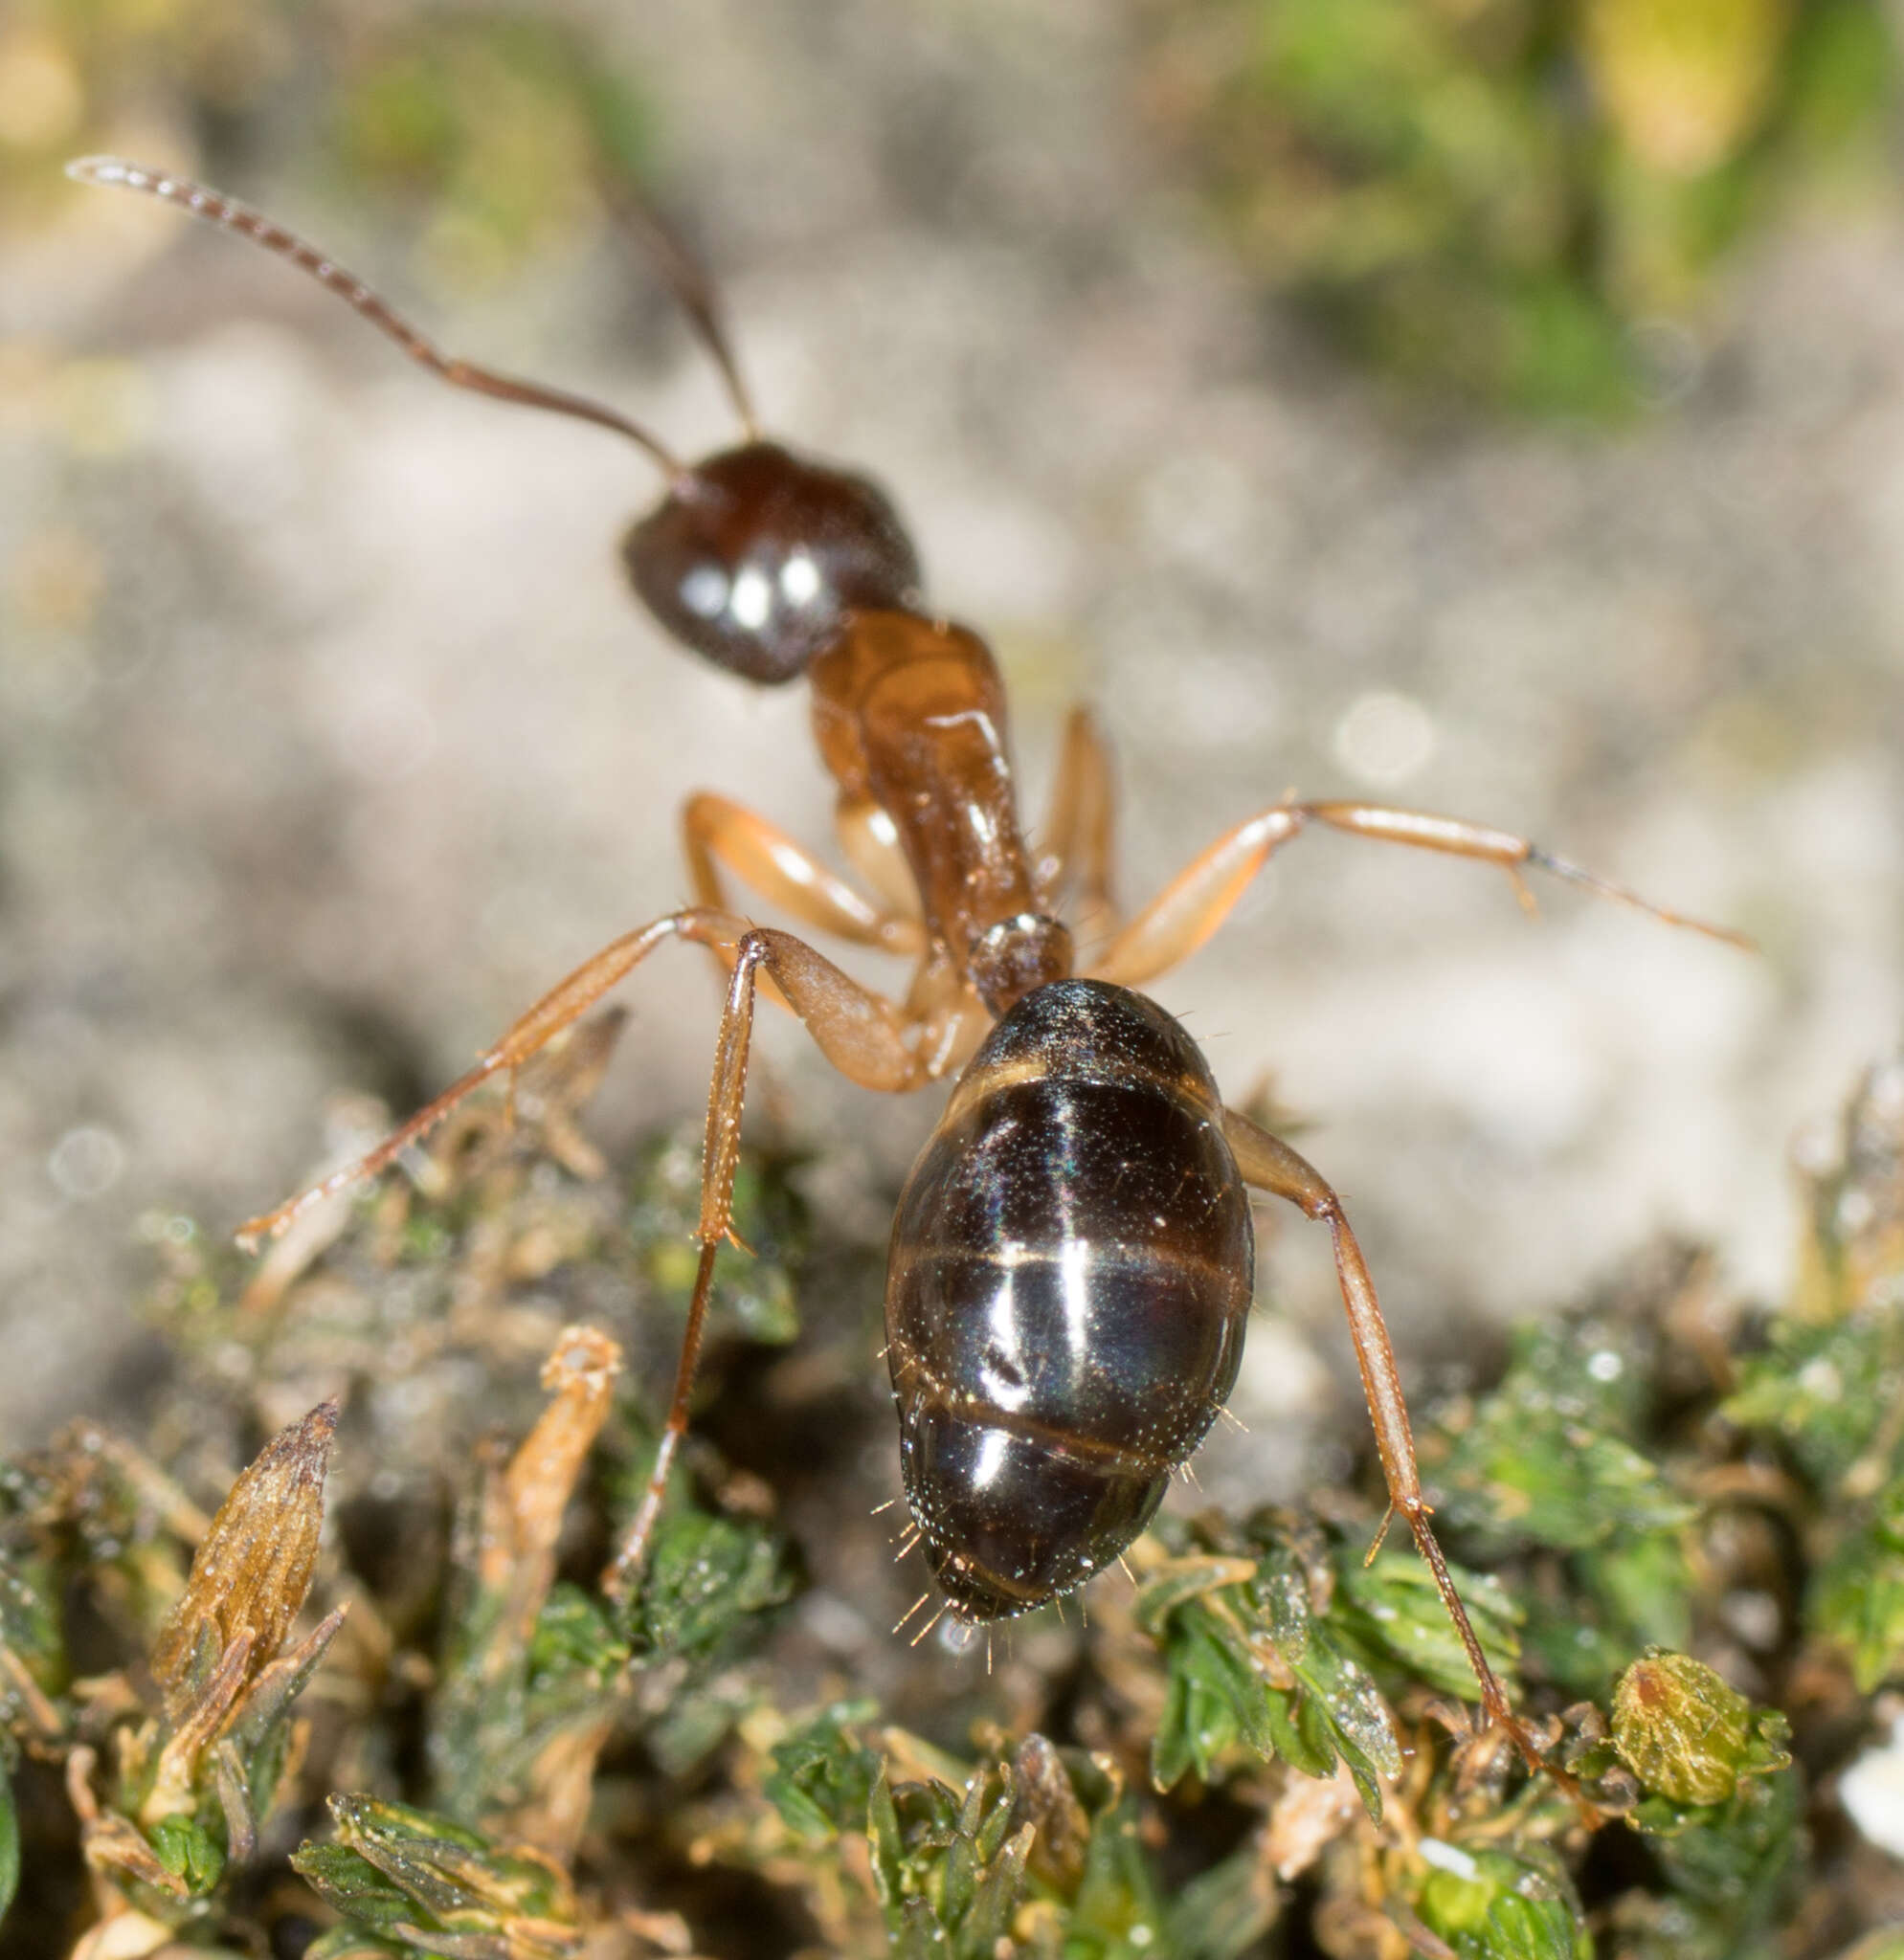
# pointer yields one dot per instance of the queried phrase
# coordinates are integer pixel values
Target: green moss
(1703, 1549)
(1510, 198)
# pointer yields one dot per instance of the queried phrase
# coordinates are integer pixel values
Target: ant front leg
(1201, 896)
(719, 835)
(865, 1038)
(1269, 1163)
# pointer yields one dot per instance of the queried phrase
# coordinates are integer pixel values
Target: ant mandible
(1071, 1264)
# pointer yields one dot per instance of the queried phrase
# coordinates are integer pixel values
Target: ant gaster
(1071, 1264)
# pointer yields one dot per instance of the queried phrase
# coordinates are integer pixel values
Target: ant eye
(756, 557)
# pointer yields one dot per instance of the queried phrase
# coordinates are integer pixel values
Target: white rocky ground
(328, 736)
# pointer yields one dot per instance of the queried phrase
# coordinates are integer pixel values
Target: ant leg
(870, 841)
(715, 831)
(718, 834)
(1269, 1163)
(865, 1038)
(1197, 901)
(861, 1033)
(564, 1004)
(1459, 839)
(1077, 849)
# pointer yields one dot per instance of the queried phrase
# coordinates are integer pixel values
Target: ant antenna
(247, 223)
(694, 292)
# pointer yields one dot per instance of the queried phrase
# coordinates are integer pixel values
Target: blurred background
(1494, 406)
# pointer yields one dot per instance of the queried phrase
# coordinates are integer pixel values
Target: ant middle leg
(564, 1003)
(1197, 901)
(1075, 854)
(1269, 1163)
(558, 1010)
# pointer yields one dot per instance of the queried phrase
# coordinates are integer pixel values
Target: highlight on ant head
(756, 557)
(753, 558)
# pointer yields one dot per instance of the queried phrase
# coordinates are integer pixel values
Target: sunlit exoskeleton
(1071, 1264)
(1069, 1279)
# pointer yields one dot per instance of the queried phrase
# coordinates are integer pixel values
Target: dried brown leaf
(541, 1475)
(255, 1564)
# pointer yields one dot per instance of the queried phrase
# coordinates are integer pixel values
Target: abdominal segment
(1069, 1277)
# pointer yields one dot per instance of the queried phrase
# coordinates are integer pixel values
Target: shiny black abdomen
(1066, 1295)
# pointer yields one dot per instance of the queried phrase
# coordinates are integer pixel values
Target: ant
(1071, 1264)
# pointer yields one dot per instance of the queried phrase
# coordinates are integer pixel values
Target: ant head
(757, 555)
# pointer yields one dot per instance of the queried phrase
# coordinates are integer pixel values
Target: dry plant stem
(196, 1726)
(511, 1554)
(112, 1846)
(540, 1477)
(38, 1714)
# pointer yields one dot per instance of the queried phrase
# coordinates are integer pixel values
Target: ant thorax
(910, 715)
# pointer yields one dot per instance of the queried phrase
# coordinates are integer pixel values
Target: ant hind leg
(1269, 1163)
